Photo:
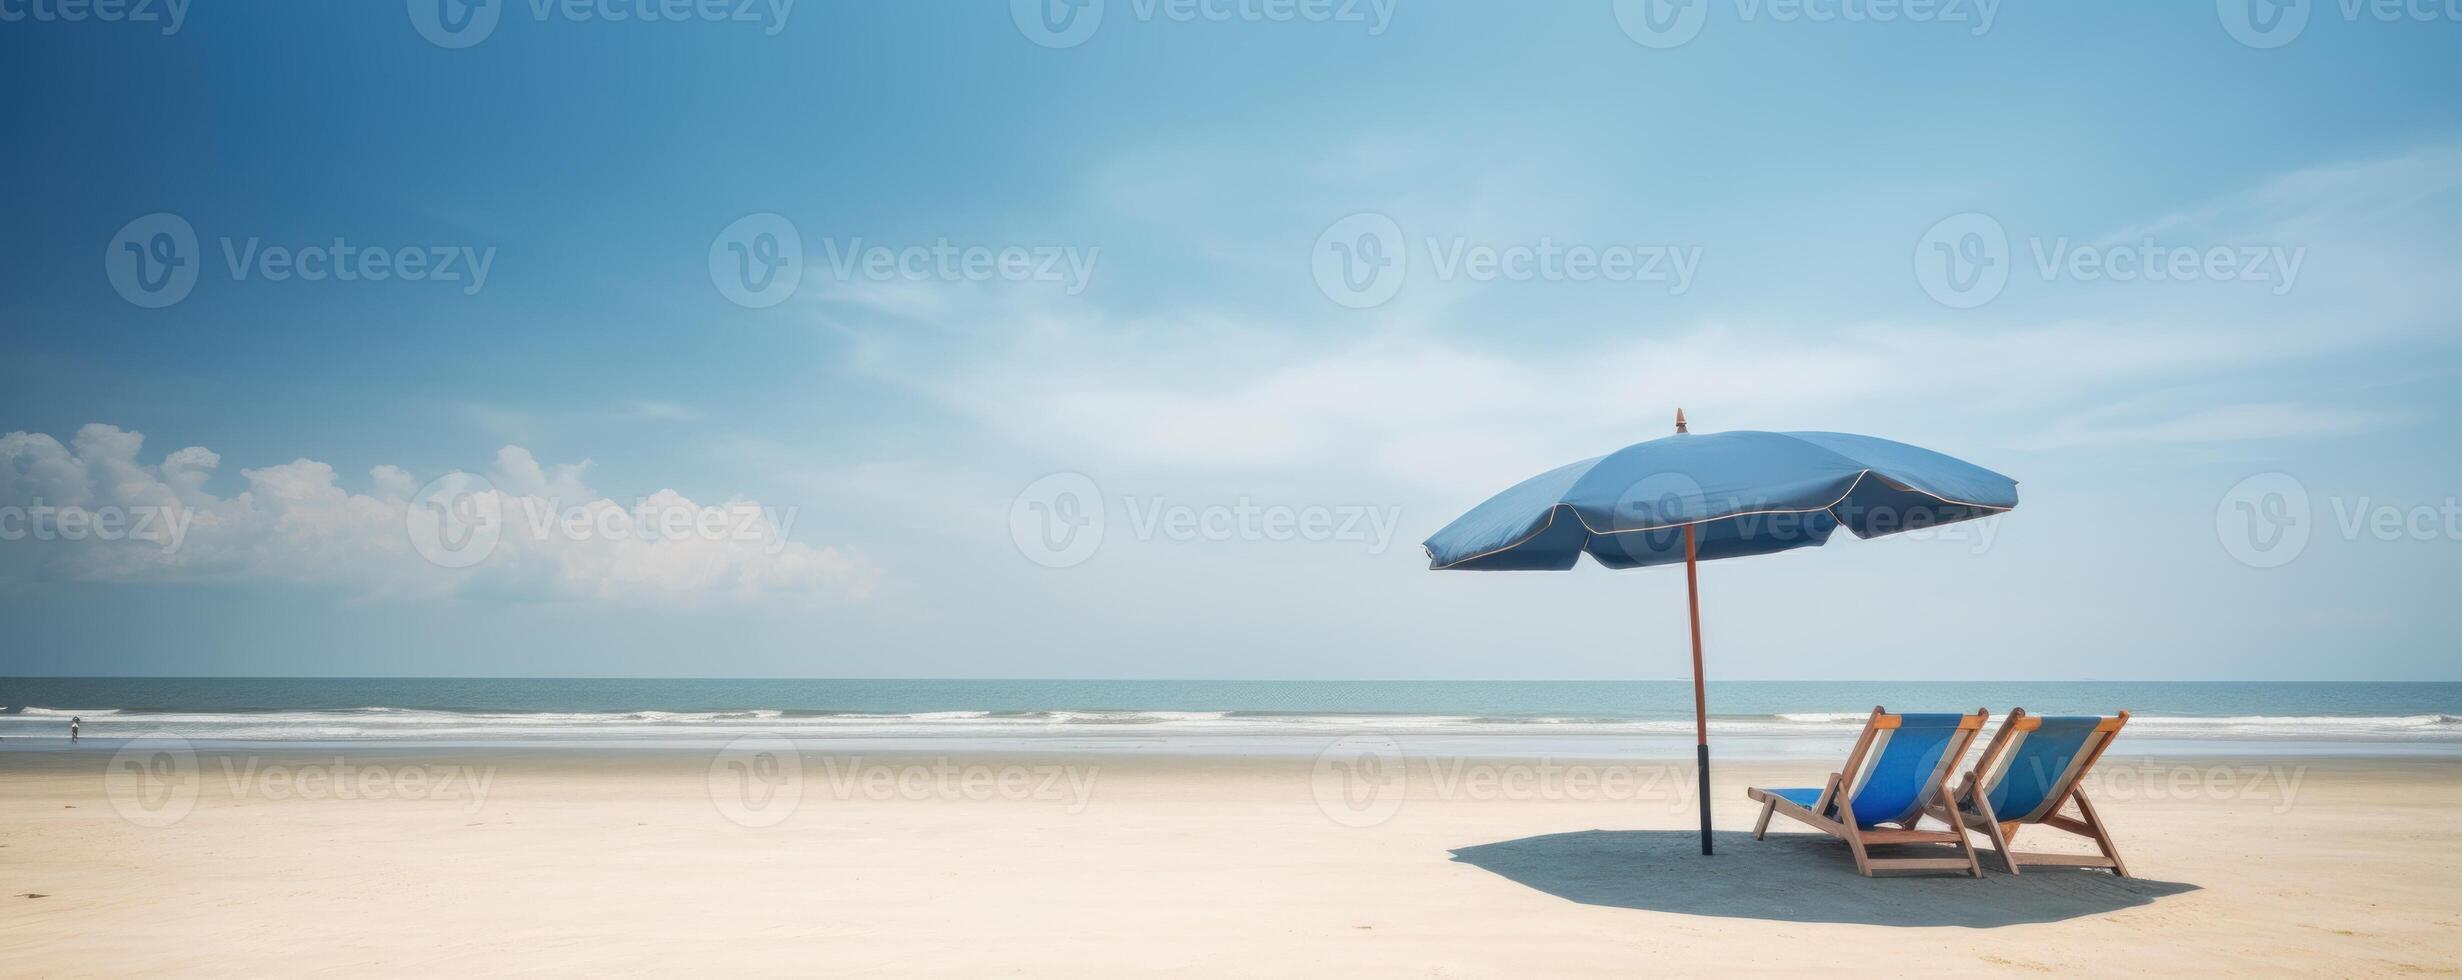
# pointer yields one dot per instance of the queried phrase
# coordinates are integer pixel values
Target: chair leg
(1855, 841)
(2102, 837)
(1956, 826)
(1998, 834)
(1761, 830)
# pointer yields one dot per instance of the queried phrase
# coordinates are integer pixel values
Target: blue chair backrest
(1907, 772)
(2042, 767)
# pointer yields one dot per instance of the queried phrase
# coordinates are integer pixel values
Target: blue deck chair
(1900, 766)
(2031, 768)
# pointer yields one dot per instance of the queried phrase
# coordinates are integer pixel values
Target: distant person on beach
(73, 722)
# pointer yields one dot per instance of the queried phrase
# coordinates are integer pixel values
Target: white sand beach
(652, 861)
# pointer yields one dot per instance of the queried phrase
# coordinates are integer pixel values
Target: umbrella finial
(1680, 429)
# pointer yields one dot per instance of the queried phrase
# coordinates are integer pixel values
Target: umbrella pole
(1701, 711)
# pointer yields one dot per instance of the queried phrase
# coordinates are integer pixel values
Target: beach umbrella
(1694, 498)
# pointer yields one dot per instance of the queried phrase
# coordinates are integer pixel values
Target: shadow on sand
(1794, 878)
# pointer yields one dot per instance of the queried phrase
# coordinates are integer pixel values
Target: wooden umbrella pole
(1701, 709)
(1701, 701)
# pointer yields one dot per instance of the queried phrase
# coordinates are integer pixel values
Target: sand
(597, 861)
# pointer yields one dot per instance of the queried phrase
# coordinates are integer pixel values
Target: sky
(1147, 338)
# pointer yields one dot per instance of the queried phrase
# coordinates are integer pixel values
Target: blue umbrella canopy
(1743, 493)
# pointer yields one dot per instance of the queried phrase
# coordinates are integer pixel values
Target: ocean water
(1610, 717)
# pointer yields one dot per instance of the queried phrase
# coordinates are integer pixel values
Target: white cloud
(1421, 409)
(659, 411)
(2331, 196)
(295, 523)
(1406, 396)
(2226, 423)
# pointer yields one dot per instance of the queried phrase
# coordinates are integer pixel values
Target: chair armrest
(1831, 792)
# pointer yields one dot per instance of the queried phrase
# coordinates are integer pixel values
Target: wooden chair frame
(2003, 833)
(1859, 840)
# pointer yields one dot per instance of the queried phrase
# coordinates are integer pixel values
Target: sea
(1568, 718)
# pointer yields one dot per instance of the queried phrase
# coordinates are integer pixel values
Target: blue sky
(1185, 170)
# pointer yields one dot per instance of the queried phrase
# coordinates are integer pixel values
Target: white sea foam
(2308, 721)
(382, 723)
